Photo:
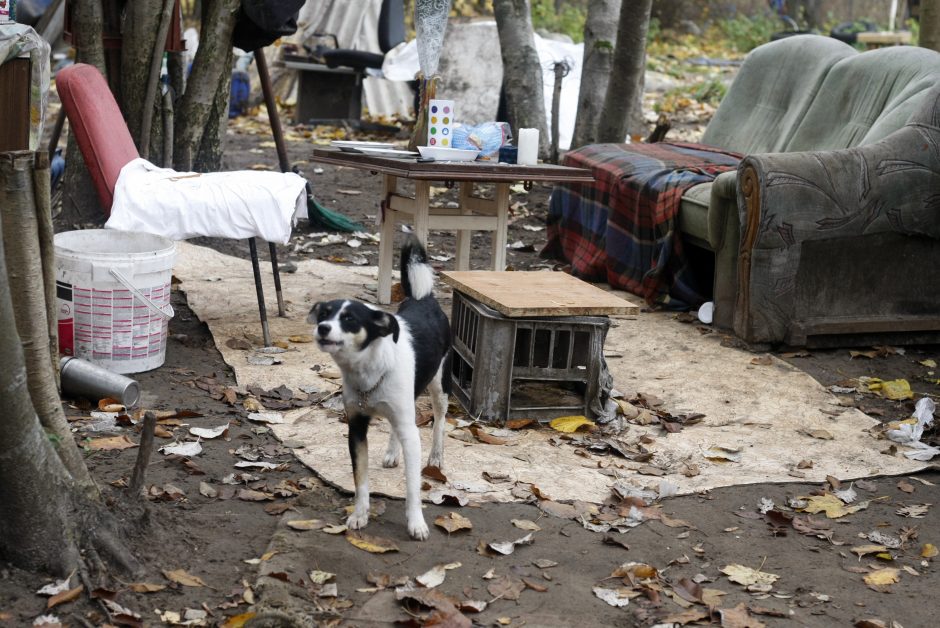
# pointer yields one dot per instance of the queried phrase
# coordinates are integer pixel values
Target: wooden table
(473, 214)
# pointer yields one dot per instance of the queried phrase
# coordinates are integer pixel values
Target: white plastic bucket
(113, 297)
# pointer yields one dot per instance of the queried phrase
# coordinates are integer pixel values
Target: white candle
(528, 153)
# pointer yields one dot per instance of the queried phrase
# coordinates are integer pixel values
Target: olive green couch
(827, 232)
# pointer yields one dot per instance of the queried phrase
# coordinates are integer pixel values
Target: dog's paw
(391, 459)
(418, 530)
(436, 459)
(357, 521)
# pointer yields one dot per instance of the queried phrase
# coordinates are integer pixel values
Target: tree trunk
(930, 24)
(211, 62)
(18, 211)
(80, 202)
(600, 38)
(627, 73)
(47, 523)
(522, 73)
(209, 156)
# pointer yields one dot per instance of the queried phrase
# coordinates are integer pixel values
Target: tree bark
(625, 88)
(522, 73)
(80, 202)
(211, 63)
(47, 521)
(930, 24)
(600, 39)
(209, 156)
(18, 215)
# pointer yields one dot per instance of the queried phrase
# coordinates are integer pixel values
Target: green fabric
(866, 97)
(775, 86)
(693, 213)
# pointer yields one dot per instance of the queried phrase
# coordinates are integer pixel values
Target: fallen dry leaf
(369, 543)
(249, 495)
(485, 437)
(435, 576)
(719, 453)
(617, 597)
(306, 524)
(300, 338)
(747, 576)
(111, 443)
(453, 522)
(916, 511)
(525, 524)
(569, 424)
(506, 588)
(145, 587)
(904, 485)
(831, 505)
(434, 473)
(179, 576)
(929, 550)
(320, 577)
(64, 596)
(763, 360)
(861, 550)
(738, 617)
(508, 547)
(882, 577)
(518, 424)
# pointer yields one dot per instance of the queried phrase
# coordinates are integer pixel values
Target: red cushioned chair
(106, 146)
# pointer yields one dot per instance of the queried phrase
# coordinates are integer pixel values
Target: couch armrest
(722, 212)
(787, 199)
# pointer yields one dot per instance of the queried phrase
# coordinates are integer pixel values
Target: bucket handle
(166, 311)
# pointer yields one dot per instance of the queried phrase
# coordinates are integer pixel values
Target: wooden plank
(535, 293)
(14, 104)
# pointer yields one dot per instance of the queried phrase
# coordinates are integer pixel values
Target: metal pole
(256, 267)
(276, 131)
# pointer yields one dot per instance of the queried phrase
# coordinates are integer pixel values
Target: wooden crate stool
(529, 344)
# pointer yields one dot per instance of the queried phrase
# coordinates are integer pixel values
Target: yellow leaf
(929, 550)
(897, 390)
(570, 424)
(888, 575)
(931, 364)
(237, 621)
(861, 550)
(369, 543)
(884, 556)
(300, 339)
(179, 576)
(453, 521)
(831, 505)
(747, 576)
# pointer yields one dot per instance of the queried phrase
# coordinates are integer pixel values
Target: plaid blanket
(622, 228)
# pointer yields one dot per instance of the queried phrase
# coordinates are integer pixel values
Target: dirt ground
(227, 526)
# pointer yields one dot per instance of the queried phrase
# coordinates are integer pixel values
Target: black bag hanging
(262, 22)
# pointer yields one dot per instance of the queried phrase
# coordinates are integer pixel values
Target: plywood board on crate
(536, 293)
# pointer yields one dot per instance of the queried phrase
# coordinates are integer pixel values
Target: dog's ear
(386, 324)
(314, 313)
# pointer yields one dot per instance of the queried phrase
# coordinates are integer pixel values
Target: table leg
(422, 210)
(463, 235)
(386, 241)
(502, 226)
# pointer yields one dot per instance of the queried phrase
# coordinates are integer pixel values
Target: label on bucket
(63, 294)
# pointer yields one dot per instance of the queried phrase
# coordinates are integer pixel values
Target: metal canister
(81, 377)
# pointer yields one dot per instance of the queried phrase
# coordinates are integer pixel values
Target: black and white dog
(387, 361)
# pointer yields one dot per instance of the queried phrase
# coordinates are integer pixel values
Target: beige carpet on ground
(764, 412)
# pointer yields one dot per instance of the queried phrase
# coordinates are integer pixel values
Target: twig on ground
(143, 454)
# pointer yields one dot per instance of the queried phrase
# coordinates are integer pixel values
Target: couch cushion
(772, 91)
(866, 97)
(693, 214)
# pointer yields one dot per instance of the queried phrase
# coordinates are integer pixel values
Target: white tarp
(773, 415)
(181, 205)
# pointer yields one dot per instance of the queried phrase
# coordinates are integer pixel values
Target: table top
(477, 171)
(537, 293)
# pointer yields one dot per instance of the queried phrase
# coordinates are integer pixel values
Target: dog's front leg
(404, 425)
(359, 453)
(393, 452)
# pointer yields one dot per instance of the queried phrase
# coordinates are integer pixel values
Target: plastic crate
(540, 368)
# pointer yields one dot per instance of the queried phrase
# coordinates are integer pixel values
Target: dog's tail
(417, 276)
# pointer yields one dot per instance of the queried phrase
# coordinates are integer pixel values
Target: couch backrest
(773, 90)
(866, 97)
